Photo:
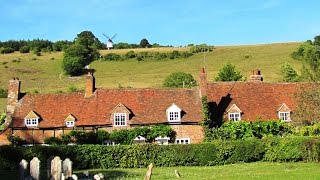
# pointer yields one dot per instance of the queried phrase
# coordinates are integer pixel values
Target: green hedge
(136, 156)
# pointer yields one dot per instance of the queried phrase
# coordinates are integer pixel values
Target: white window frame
(174, 116)
(183, 141)
(234, 116)
(70, 123)
(31, 122)
(284, 116)
(120, 119)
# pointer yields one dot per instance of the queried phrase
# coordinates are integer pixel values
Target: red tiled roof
(255, 99)
(148, 106)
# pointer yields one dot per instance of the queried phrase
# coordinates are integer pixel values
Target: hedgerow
(136, 156)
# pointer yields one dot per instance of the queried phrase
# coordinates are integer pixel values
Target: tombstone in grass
(56, 169)
(149, 172)
(23, 169)
(35, 168)
(67, 168)
(49, 166)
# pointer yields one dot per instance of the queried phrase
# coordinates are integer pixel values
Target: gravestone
(56, 169)
(35, 168)
(49, 166)
(149, 172)
(23, 167)
(67, 168)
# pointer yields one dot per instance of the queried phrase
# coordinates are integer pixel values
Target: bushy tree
(179, 80)
(24, 49)
(289, 74)
(144, 43)
(87, 39)
(229, 73)
(73, 65)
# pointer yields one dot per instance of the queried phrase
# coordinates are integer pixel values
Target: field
(43, 74)
(258, 170)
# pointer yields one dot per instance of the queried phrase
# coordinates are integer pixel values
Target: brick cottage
(36, 116)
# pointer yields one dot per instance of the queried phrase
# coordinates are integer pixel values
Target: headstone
(74, 177)
(35, 168)
(67, 168)
(56, 169)
(149, 172)
(176, 172)
(49, 166)
(23, 167)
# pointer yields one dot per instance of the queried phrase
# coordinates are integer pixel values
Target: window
(31, 122)
(183, 141)
(120, 119)
(234, 116)
(174, 116)
(174, 113)
(69, 123)
(284, 116)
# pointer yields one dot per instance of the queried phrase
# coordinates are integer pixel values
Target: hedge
(137, 156)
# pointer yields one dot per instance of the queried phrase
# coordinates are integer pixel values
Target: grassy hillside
(44, 74)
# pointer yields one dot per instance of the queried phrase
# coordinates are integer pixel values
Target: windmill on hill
(109, 42)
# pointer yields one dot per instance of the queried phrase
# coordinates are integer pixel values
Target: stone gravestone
(35, 168)
(149, 172)
(67, 168)
(23, 167)
(49, 166)
(56, 170)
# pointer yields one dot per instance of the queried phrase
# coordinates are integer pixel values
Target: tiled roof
(148, 106)
(255, 99)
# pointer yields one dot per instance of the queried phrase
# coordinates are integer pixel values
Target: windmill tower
(109, 42)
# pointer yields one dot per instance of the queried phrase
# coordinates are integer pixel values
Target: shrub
(24, 49)
(6, 50)
(229, 73)
(112, 57)
(179, 80)
(130, 55)
(53, 140)
(3, 93)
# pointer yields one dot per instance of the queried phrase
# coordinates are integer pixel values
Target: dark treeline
(35, 45)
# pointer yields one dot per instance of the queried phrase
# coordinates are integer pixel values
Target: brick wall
(194, 132)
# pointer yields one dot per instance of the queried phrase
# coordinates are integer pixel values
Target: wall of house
(194, 132)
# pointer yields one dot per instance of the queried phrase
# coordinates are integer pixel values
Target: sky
(166, 22)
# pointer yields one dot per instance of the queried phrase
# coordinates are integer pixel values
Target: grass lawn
(259, 170)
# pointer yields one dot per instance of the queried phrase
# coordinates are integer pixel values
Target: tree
(144, 43)
(179, 80)
(87, 39)
(311, 62)
(289, 74)
(76, 57)
(73, 65)
(228, 73)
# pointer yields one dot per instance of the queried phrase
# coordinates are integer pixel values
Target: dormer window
(284, 113)
(120, 115)
(70, 121)
(31, 120)
(119, 119)
(174, 113)
(234, 113)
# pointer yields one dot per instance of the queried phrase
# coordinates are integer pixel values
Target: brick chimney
(256, 76)
(13, 94)
(90, 85)
(203, 82)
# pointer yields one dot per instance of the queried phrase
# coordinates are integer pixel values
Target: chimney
(203, 82)
(90, 85)
(256, 76)
(13, 94)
